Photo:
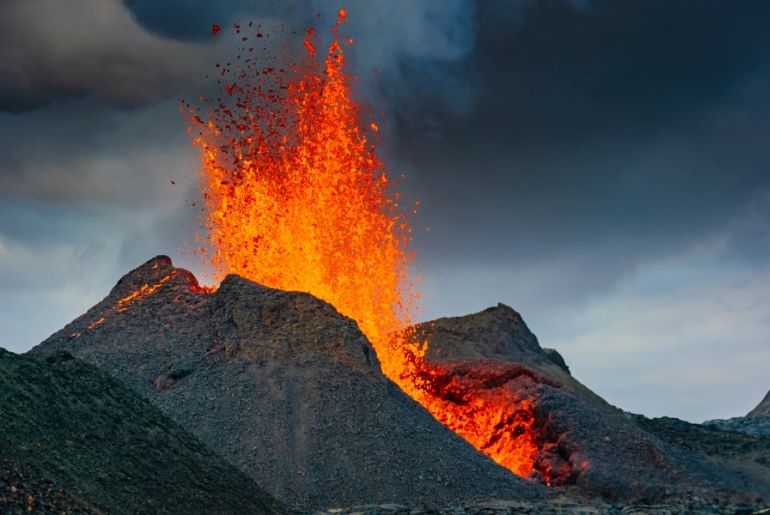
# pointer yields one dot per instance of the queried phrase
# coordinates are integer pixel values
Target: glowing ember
(96, 323)
(143, 291)
(297, 199)
(140, 293)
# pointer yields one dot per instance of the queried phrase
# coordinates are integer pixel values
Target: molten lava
(130, 299)
(298, 199)
(477, 400)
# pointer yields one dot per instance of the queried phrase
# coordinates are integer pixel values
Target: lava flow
(297, 199)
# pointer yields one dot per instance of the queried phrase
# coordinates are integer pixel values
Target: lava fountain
(298, 199)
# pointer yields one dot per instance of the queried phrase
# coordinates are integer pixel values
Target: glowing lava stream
(297, 199)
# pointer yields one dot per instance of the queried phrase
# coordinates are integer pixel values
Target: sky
(601, 166)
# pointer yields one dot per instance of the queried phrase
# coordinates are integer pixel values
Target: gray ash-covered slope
(75, 440)
(282, 386)
(583, 441)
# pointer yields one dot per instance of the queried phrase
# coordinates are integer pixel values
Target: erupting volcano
(298, 199)
(300, 377)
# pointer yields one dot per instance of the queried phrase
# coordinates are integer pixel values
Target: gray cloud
(84, 154)
(48, 54)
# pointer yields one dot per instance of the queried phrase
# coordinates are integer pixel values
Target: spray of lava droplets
(298, 199)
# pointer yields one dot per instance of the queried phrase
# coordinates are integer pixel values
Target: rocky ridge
(563, 506)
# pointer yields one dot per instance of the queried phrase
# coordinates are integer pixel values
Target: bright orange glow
(137, 295)
(144, 291)
(476, 401)
(298, 199)
(96, 323)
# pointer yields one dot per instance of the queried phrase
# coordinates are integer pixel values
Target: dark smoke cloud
(189, 20)
(613, 126)
(48, 55)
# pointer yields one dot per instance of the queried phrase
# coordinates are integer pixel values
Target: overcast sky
(601, 166)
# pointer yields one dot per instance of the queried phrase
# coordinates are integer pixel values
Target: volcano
(292, 393)
(283, 387)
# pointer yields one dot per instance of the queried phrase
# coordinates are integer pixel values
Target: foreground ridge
(74, 440)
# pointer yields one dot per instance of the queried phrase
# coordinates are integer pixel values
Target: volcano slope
(74, 440)
(282, 386)
(581, 439)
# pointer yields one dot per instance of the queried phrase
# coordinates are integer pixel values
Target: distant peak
(763, 409)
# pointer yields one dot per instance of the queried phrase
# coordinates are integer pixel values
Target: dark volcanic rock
(290, 391)
(496, 332)
(745, 425)
(284, 387)
(583, 441)
(745, 457)
(74, 440)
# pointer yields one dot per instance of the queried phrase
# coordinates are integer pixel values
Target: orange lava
(297, 199)
(476, 399)
(142, 292)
